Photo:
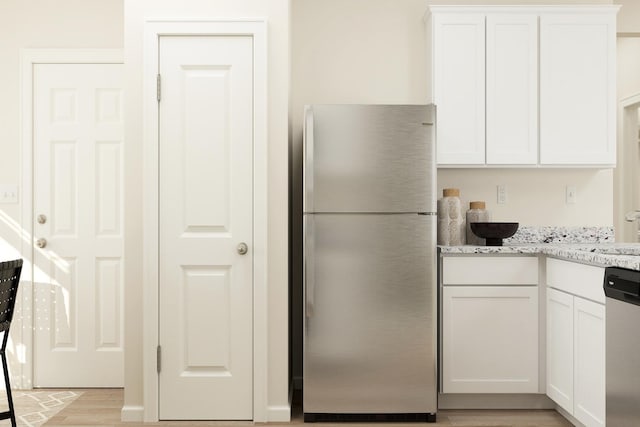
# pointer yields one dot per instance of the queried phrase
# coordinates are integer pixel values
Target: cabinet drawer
(481, 270)
(577, 279)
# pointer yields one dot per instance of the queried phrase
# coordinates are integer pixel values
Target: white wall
(374, 51)
(39, 24)
(277, 14)
(537, 197)
(628, 19)
(628, 65)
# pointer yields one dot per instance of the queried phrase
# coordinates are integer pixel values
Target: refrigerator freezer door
(370, 314)
(369, 158)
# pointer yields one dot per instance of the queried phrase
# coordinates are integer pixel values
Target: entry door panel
(206, 294)
(78, 145)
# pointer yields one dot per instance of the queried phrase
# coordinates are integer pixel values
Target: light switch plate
(572, 194)
(8, 193)
(502, 194)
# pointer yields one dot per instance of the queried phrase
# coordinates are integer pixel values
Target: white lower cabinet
(589, 362)
(560, 348)
(490, 339)
(576, 342)
(490, 331)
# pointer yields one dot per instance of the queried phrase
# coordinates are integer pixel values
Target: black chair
(9, 279)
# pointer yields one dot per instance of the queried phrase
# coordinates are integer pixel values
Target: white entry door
(205, 217)
(78, 135)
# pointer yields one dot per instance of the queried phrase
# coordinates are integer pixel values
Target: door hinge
(158, 87)
(159, 358)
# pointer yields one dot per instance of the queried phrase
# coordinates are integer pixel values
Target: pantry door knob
(243, 248)
(41, 242)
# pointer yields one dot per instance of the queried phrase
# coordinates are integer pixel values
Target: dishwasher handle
(622, 284)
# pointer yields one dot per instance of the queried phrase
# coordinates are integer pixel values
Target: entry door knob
(41, 242)
(243, 248)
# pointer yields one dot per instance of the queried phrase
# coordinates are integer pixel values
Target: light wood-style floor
(101, 407)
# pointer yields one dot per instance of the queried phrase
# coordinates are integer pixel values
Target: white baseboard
(279, 414)
(274, 414)
(495, 401)
(568, 416)
(132, 414)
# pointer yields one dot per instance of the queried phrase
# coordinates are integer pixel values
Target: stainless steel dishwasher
(622, 288)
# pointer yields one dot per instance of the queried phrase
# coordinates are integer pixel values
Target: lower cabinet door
(589, 362)
(490, 339)
(560, 348)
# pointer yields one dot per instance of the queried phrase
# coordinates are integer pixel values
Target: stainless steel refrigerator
(370, 263)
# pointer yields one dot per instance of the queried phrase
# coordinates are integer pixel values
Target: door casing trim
(621, 183)
(24, 305)
(153, 30)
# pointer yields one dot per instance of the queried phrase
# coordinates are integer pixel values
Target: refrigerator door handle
(307, 147)
(308, 273)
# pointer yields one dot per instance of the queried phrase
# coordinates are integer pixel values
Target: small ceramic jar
(477, 213)
(451, 223)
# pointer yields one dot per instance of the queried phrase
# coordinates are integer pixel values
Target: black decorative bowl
(494, 232)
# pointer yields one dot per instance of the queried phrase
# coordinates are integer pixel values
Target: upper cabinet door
(459, 87)
(577, 88)
(512, 89)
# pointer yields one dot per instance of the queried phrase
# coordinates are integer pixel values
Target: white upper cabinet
(512, 89)
(459, 67)
(524, 85)
(577, 88)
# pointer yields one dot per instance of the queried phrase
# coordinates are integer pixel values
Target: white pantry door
(205, 213)
(78, 132)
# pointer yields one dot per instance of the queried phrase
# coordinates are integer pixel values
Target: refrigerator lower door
(370, 314)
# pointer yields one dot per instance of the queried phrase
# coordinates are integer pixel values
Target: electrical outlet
(571, 195)
(502, 194)
(8, 193)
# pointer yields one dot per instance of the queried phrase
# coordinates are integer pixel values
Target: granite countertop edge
(624, 255)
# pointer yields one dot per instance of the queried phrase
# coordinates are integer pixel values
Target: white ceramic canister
(477, 213)
(451, 223)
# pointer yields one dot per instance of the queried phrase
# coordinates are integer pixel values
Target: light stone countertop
(625, 255)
